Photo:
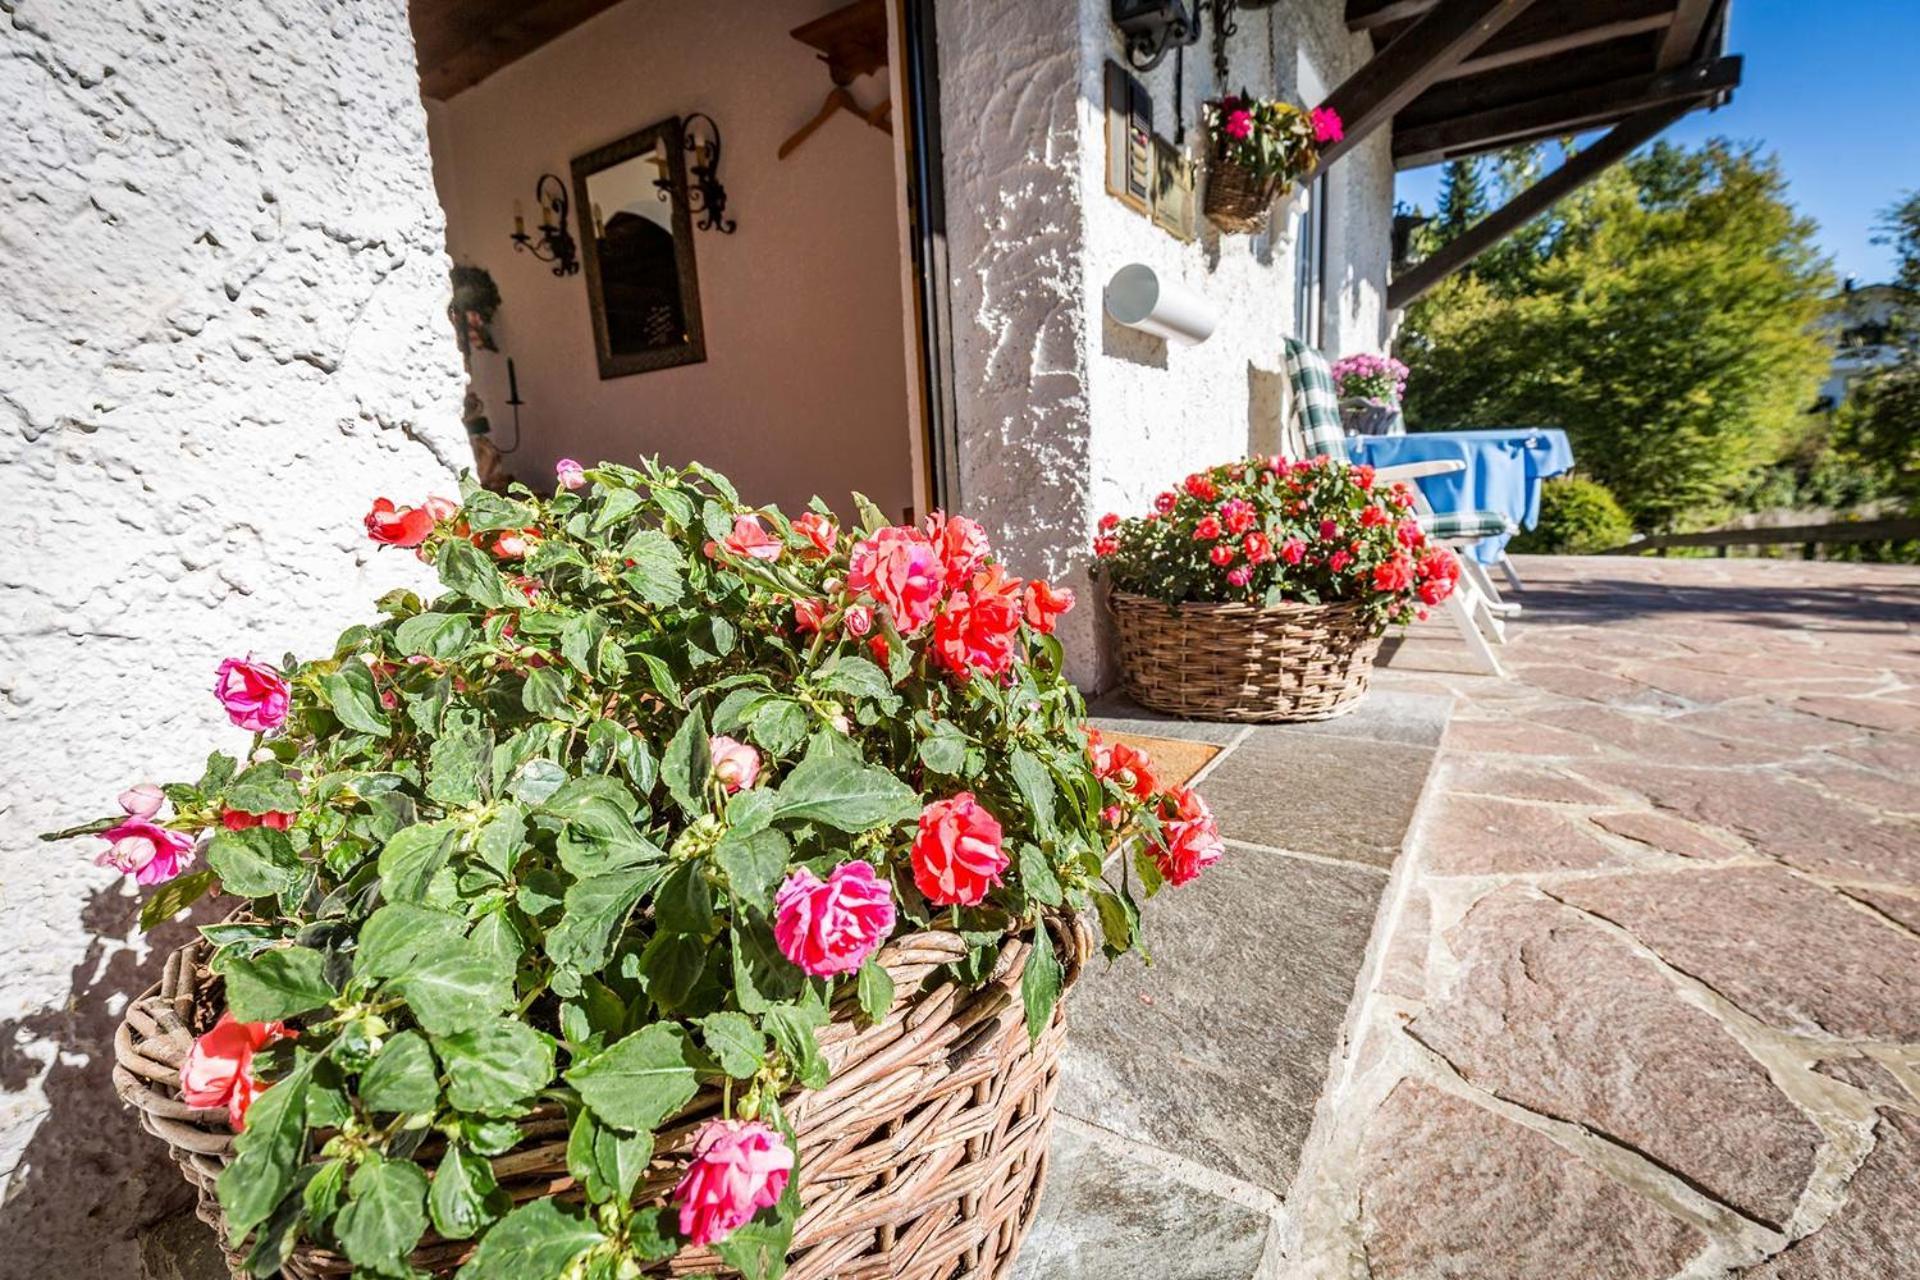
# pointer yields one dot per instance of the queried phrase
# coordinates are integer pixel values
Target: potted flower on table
(683, 890)
(1257, 149)
(1371, 389)
(1259, 590)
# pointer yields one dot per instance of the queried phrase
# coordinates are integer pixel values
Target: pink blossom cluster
(1378, 379)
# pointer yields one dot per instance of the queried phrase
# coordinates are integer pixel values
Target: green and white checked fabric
(1315, 402)
(1449, 526)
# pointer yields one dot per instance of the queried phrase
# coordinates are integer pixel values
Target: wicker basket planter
(924, 1157)
(1242, 663)
(1237, 200)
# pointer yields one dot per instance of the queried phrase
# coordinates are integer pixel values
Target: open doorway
(778, 341)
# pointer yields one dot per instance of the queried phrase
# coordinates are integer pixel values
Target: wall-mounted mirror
(637, 248)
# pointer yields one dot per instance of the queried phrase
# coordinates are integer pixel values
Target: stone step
(1191, 1084)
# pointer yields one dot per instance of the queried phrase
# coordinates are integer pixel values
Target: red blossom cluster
(1189, 837)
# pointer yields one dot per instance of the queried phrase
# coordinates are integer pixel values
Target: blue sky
(1834, 88)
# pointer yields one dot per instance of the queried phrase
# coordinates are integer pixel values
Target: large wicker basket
(1243, 663)
(924, 1157)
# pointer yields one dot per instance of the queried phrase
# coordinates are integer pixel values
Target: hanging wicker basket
(923, 1157)
(1238, 200)
(1243, 663)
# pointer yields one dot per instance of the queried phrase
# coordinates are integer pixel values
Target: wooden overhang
(1457, 78)
(459, 43)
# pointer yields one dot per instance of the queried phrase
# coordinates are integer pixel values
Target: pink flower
(1329, 530)
(1395, 575)
(392, 526)
(957, 855)
(1327, 126)
(1044, 605)
(1293, 550)
(514, 544)
(218, 1070)
(1191, 837)
(858, 619)
(1165, 502)
(975, 632)
(1239, 576)
(1239, 124)
(751, 539)
(962, 544)
(819, 531)
(253, 693)
(1339, 560)
(1237, 514)
(735, 764)
(142, 801)
(240, 820)
(1222, 554)
(901, 568)
(739, 1168)
(440, 508)
(830, 926)
(149, 853)
(570, 474)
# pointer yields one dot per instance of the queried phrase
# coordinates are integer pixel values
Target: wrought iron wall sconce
(705, 194)
(555, 242)
(1154, 28)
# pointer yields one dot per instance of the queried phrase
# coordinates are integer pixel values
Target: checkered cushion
(1315, 403)
(1464, 525)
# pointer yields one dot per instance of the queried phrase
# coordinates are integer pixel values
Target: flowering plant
(1266, 531)
(619, 818)
(1270, 138)
(1378, 380)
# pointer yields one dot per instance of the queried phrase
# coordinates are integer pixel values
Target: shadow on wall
(90, 1181)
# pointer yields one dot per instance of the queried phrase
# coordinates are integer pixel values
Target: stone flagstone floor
(1646, 997)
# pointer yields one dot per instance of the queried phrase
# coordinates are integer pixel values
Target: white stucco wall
(804, 387)
(1063, 413)
(222, 331)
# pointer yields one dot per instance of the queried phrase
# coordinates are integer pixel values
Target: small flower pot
(1243, 663)
(1365, 418)
(1237, 200)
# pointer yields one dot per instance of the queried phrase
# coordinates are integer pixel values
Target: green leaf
(754, 864)
(684, 766)
(485, 511)
(400, 935)
(256, 863)
(672, 965)
(685, 901)
(464, 1198)
(496, 1067)
(660, 676)
(780, 725)
(860, 678)
(758, 1250)
(536, 1241)
(872, 518)
(503, 839)
(873, 987)
(1036, 786)
(402, 1077)
(537, 780)
(1119, 922)
(545, 695)
(1038, 878)
(435, 635)
(470, 571)
(792, 1027)
(267, 1151)
(616, 504)
(1040, 982)
(458, 767)
(944, 749)
(847, 796)
(384, 1217)
(175, 896)
(640, 1080)
(655, 574)
(607, 1161)
(277, 984)
(580, 641)
(457, 989)
(596, 909)
(412, 857)
(351, 694)
(735, 1043)
(264, 788)
(762, 976)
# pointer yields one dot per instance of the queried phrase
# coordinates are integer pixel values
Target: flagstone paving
(1647, 995)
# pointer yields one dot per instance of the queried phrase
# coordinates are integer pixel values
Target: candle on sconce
(513, 383)
(519, 220)
(599, 226)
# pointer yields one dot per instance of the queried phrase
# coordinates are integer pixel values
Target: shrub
(1578, 517)
(615, 817)
(1265, 531)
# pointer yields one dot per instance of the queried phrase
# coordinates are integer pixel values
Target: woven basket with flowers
(682, 890)
(1257, 148)
(1259, 590)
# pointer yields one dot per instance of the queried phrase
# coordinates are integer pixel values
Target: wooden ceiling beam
(459, 43)
(1401, 72)
(1677, 47)
(1547, 30)
(1370, 15)
(1567, 112)
(1579, 169)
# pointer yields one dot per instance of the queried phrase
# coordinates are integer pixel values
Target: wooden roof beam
(1678, 46)
(1547, 30)
(1370, 15)
(1403, 70)
(1567, 112)
(1579, 169)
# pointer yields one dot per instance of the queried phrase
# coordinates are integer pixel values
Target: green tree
(1463, 199)
(1663, 316)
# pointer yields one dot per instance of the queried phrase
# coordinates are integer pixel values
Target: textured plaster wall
(804, 389)
(222, 329)
(1065, 414)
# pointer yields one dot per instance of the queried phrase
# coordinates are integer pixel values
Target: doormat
(1175, 760)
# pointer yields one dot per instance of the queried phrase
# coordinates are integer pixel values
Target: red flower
(901, 568)
(751, 539)
(1339, 560)
(1258, 546)
(1127, 767)
(218, 1070)
(1109, 522)
(1221, 554)
(1191, 838)
(1207, 530)
(1435, 590)
(957, 855)
(515, 543)
(1293, 550)
(962, 544)
(808, 615)
(1440, 563)
(1372, 517)
(821, 532)
(1104, 546)
(1327, 126)
(1201, 486)
(237, 820)
(1237, 514)
(1363, 476)
(1395, 575)
(392, 526)
(1409, 533)
(975, 632)
(1239, 124)
(1165, 502)
(1044, 605)
(1329, 530)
